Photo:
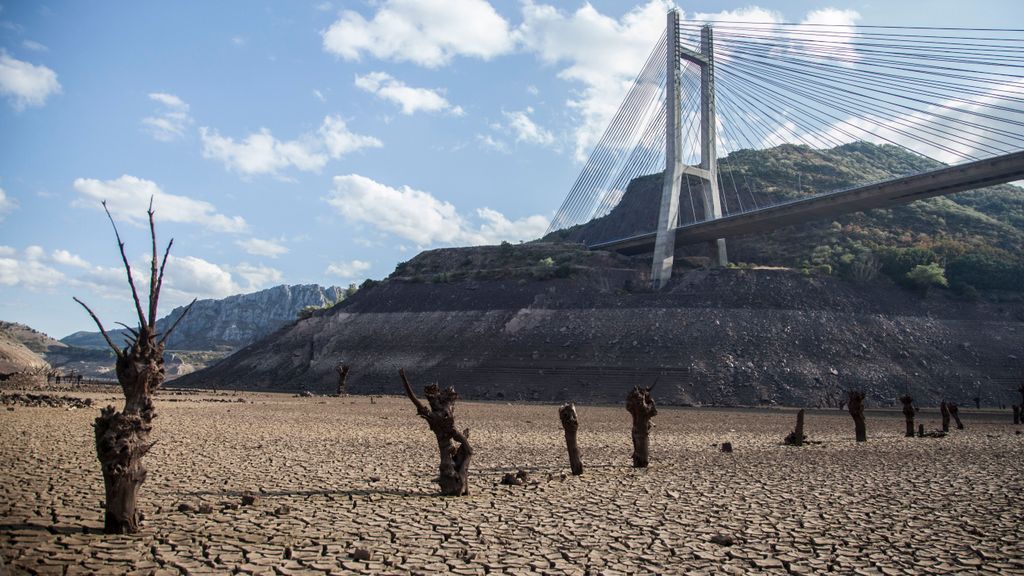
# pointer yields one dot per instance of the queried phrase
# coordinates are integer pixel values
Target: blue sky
(292, 142)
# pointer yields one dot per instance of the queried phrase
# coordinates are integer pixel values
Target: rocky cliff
(232, 322)
(588, 333)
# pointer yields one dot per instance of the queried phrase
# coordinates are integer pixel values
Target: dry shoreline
(355, 474)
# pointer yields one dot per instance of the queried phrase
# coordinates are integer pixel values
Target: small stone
(205, 508)
(185, 507)
(374, 478)
(282, 510)
(362, 554)
(249, 499)
(722, 540)
(727, 447)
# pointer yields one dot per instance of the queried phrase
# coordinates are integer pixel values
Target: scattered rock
(727, 447)
(518, 479)
(362, 554)
(282, 510)
(186, 507)
(722, 540)
(374, 478)
(249, 499)
(205, 508)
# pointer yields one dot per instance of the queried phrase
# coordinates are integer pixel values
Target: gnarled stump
(855, 404)
(1016, 414)
(796, 437)
(944, 410)
(453, 471)
(908, 414)
(641, 406)
(342, 370)
(121, 441)
(570, 423)
(954, 411)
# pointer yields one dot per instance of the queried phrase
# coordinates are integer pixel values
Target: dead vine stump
(570, 423)
(796, 437)
(954, 411)
(453, 446)
(641, 406)
(1016, 414)
(908, 414)
(855, 404)
(342, 370)
(944, 410)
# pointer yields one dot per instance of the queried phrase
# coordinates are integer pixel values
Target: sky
(312, 142)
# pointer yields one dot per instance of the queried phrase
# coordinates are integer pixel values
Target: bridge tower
(664, 245)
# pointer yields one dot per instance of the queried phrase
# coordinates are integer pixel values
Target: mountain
(21, 349)
(229, 323)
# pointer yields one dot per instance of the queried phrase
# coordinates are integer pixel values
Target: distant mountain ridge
(229, 323)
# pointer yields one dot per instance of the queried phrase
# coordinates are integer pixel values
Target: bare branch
(100, 326)
(420, 408)
(160, 278)
(175, 325)
(651, 387)
(152, 267)
(130, 329)
(127, 267)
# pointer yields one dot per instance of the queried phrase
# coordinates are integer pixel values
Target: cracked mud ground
(338, 477)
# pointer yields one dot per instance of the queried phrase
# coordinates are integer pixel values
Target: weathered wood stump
(920, 430)
(122, 438)
(570, 423)
(1016, 414)
(855, 404)
(908, 414)
(944, 410)
(641, 406)
(796, 437)
(342, 370)
(954, 411)
(453, 446)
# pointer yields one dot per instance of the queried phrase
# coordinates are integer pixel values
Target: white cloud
(257, 277)
(171, 120)
(493, 143)
(526, 130)
(128, 198)
(7, 205)
(420, 217)
(28, 271)
(65, 258)
(260, 247)
(425, 32)
(601, 53)
(26, 84)
(348, 270)
(7, 251)
(412, 100)
(34, 46)
(319, 95)
(261, 153)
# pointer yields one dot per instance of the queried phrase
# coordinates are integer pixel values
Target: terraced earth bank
(565, 324)
(344, 485)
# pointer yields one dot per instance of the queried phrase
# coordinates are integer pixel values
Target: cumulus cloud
(349, 270)
(29, 270)
(426, 32)
(171, 120)
(422, 218)
(65, 258)
(411, 100)
(260, 247)
(261, 153)
(26, 84)
(7, 205)
(524, 129)
(128, 198)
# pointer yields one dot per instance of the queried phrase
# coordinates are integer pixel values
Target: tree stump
(796, 437)
(908, 414)
(944, 410)
(855, 404)
(453, 446)
(641, 406)
(122, 438)
(570, 423)
(342, 370)
(954, 411)
(1016, 414)
(920, 430)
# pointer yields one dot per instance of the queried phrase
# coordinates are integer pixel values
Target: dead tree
(855, 404)
(342, 370)
(641, 406)
(908, 414)
(122, 438)
(453, 472)
(1016, 414)
(954, 411)
(944, 410)
(796, 437)
(570, 423)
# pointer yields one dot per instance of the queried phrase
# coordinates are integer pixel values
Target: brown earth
(336, 475)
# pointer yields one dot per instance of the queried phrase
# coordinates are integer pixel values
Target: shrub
(924, 276)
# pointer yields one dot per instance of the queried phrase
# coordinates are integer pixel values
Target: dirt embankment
(724, 336)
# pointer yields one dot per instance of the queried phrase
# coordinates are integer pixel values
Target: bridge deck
(949, 180)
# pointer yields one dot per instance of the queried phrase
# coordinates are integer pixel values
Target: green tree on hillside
(924, 276)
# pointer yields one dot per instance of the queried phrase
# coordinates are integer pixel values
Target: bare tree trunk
(570, 423)
(908, 414)
(954, 411)
(122, 438)
(1016, 414)
(944, 410)
(342, 370)
(796, 437)
(855, 404)
(453, 471)
(641, 406)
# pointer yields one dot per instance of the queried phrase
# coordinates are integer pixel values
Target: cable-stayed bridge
(946, 94)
